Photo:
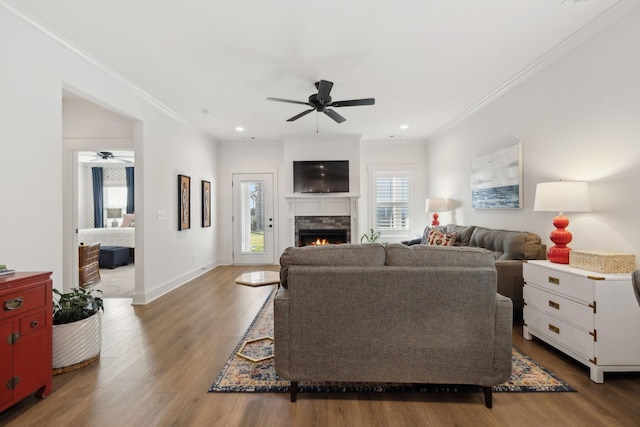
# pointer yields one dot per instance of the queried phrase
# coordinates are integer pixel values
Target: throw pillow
(127, 219)
(441, 239)
(425, 235)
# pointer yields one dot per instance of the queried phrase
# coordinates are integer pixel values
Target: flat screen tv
(321, 176)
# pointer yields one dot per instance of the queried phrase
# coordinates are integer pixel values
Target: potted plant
(77, 328)
(371, 237)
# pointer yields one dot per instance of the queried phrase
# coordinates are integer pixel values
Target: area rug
(117, 282)
(241, 374)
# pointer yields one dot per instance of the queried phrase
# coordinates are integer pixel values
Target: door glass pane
(252, 216)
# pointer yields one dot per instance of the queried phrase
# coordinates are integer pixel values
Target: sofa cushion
(506, 244)
(438, 256)
(348, 254)
(463, 233)
(441, 239)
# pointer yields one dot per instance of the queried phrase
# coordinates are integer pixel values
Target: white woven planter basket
(76, 342)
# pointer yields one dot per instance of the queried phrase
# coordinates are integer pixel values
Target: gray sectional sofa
(391, 313)
(510, 249)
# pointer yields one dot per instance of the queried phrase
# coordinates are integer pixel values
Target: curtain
(130, 193)
(98, 198)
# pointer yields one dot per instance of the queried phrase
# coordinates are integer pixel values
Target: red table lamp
(435, 205)
(561, 196)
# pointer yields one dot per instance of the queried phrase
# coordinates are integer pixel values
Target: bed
(119, 236)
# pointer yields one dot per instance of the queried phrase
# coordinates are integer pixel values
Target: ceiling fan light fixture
(321, 100)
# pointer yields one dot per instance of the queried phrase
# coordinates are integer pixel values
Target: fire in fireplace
(322, 237)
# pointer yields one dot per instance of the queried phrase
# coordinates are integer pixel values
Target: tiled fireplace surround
(322, 212)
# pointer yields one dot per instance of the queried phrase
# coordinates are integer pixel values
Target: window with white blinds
(392, 191)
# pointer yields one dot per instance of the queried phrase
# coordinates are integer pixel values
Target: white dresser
(590, 316)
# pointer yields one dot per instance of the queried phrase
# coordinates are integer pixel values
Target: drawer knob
(554, 304)
(554, 280)
(13, 304)
(553, 328)
(34, 323)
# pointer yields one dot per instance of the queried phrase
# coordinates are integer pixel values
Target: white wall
(85, 120)
(32, 80)
(578, 119)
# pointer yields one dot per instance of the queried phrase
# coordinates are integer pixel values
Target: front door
(253, 221)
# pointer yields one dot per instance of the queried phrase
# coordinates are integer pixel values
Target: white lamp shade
(562, 196)
(439, 204)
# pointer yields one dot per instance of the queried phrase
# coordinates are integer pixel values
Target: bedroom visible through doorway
(106, 187)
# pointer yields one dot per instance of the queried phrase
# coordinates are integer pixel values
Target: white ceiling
(426, 62)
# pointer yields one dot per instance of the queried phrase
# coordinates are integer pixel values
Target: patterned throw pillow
(441, 239)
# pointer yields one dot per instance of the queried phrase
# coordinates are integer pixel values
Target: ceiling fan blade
(297, 116)
(335, 116)
(353, 102)
(324, 87)
(288, 101)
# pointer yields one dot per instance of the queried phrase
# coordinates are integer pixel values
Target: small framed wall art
(184, 202)
(206, 203)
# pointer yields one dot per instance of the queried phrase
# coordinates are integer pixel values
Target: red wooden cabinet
(25, 336)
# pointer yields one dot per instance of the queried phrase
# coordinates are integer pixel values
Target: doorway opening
(96, 138)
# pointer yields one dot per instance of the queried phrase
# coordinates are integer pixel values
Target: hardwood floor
(158, 361)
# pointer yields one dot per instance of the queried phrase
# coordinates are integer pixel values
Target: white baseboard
(148, 296)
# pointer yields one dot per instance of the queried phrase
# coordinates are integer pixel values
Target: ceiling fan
(321, 102)
(108, 155)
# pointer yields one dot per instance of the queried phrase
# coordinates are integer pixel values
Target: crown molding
(574, 40)
(41, 30)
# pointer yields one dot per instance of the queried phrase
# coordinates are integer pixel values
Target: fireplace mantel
(322, 205)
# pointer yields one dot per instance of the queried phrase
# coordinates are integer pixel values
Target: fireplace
(319, 214)
(308, 237)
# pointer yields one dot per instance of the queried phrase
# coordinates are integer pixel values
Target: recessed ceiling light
(239, 128)
(404, 126)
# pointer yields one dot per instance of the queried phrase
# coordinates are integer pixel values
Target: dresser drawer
(572, 286)
(18, 302)
(33, 322)
(542, 324)
(567, 310)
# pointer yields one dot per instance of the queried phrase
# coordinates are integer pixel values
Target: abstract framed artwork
(206, 203)
(184, 202)
(496, 179)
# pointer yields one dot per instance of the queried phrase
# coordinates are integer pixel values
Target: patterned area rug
(241, 374)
